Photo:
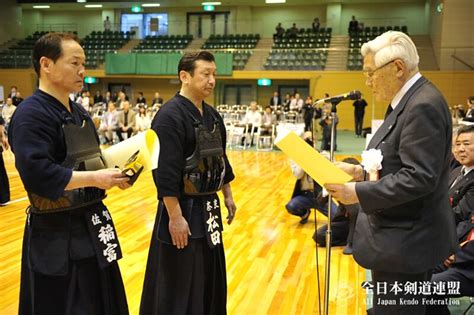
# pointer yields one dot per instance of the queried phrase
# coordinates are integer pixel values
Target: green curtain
(120, 63)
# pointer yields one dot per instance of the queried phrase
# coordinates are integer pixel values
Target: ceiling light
(81, 1)
(211, 3)
(41, 7)
(275, 1)
(93, 5)
(150, 5)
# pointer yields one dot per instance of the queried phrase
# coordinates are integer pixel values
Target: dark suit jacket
(406, 225)
(272, 103)
(464, 260)
(461, 196)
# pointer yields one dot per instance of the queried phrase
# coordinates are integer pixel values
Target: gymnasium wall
(455, 86)
(246, 19)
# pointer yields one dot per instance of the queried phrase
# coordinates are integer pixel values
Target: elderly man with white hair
(405, 226)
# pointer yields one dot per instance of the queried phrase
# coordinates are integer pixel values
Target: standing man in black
(404, 228)
(4, 184)
(70, 247)
(359, 111)
(275, 100)
(186, 271)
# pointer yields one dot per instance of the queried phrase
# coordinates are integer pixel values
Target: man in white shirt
(7, 111)
(253, 119)
(110, 123)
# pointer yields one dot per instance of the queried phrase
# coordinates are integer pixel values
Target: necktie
(126, 118)
(389, 110)
(461, 175)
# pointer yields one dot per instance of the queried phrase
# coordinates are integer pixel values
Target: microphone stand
(329, 230)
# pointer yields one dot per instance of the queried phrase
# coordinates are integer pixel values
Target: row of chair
(377, 30)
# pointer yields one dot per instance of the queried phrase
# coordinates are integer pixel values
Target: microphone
(352, 95)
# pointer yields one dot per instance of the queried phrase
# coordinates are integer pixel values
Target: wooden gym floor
(271, 260)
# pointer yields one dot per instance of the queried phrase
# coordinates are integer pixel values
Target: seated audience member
(296, 103)
(141, 99)
(126, 121)
(17, 99)
(268, 121)
(121, 97)
(454, 160)
(326, 125)
(461, 180)
(109, 123)
(13, 91)
(108, 97)
(470, 111)
(293, 31)
(460, 266)
(98, 98)
(157, 101)
(279, 31)
(305, 192)
(85, 101)
(142, 121)
(287, 102)
(7, 111)
(343, 223)
(253, 119)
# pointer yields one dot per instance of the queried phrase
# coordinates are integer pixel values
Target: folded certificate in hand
(311, 161)
(134, 155)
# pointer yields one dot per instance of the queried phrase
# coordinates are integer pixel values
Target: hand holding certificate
(135, 155)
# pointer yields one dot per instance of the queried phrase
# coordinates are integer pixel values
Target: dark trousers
(384, 297)
(4, 185)
(119, 132)
(358, 124)
(466, 288)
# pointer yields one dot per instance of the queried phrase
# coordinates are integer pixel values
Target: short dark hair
(188, 61)
(471, 99)
(351, 160)
(49, 45)
(465, 129)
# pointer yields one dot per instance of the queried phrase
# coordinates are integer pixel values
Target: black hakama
(191, 280)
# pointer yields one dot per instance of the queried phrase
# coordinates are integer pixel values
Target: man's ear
(184, 76)
(401, 67)
(45, 64)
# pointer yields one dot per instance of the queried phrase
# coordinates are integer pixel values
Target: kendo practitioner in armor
(70, 247)
(186, 272)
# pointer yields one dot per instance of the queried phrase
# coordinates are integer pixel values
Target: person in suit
(461, 181)
(126, 121)
(359, 111)
(460, 266)
(404, 210)
(4, 184)
(275, 100)
(470, 110)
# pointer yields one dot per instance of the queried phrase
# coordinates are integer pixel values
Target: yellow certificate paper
(313, 163)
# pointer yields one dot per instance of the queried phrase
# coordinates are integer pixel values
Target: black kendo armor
(83, 154)
(205, 167)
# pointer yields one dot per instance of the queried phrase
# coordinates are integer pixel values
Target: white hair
(392, 45)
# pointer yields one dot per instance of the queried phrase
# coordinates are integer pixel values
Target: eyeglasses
(370, 74)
